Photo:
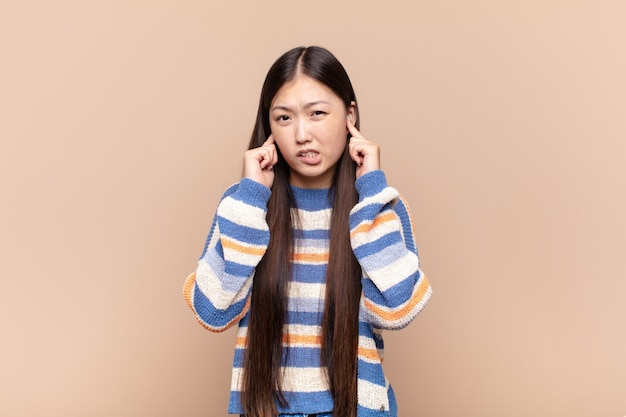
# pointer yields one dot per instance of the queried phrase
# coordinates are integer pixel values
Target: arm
(381, 231)
(218, 291)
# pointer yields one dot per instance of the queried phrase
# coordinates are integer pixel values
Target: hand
(366, 154)
(258, 163)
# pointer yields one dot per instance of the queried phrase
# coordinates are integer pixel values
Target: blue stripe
(310, 305)
(310, 199)
(301, 357)
(407, 228)
(235, 269)
(295, 317)
(298, 357)
(252, 193)
(243, 233)
(318, 234)
(234, 274)
(238, 358)
(365, 329)
(209, 314)
(371, 183)
(393, 297)
(374, 372)
(378, 340)
(384, 242)
(368, 213)
(310, 274)
(384, 258)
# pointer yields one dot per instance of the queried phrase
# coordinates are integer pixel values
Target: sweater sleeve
(381, 233)
(218, 291)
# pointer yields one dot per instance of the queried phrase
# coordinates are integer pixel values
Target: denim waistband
(301, 415)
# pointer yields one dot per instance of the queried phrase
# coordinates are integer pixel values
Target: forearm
(394, 287)
(219, 290)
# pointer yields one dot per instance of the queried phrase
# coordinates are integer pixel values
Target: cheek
(280, 141)
(280, 134)
(336, 143)
(333, 132)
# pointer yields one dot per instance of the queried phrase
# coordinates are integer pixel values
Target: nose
(303, 133)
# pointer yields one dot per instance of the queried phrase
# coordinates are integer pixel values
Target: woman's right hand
(258, 163)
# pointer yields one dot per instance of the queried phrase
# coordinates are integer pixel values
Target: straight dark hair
(262, 377)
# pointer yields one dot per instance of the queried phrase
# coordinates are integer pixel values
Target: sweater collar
(312, 198)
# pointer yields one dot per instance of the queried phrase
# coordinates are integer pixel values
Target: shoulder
(248, 192)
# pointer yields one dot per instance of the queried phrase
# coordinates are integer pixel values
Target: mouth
(309, 156)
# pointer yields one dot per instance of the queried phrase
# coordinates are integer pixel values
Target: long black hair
(262, 364)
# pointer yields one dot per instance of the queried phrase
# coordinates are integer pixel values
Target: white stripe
(212, 288)
(379, 231)
(313, 220)
(304, 330)
(387, 195)
(311, 291)
(394, 273)
(294, 379)
(243, 214)
(373, 396)
(243, 258)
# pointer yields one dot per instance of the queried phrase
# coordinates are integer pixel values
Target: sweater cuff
(371, 183)
(252, 193)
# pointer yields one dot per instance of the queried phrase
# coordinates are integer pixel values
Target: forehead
(303, 89)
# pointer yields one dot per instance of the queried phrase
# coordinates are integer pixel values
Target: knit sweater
(394, 288)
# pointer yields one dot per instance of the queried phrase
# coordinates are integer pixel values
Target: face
(308, 122)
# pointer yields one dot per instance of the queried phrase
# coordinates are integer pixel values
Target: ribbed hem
(371, 183)
(253, 193)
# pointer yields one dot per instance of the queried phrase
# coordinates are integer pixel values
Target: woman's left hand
(366, 154)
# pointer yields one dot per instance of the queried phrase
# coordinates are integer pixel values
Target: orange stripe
(248, 250)
(366, 227)
(408, 210)
(310, 257)
(370, 354)
(398, 314)
(291, 339)
(241, 342)
(190, 282)
(302, 339)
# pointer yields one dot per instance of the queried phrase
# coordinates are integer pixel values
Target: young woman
(311, 253)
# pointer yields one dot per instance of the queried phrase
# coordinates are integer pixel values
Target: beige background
(502, 122)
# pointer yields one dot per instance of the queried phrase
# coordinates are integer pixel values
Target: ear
(352, 112)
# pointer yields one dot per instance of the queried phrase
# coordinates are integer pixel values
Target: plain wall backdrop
(503, 123)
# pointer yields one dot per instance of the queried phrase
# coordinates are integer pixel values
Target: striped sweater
(394, 288)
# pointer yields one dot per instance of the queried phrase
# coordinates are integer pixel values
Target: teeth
(308, 154)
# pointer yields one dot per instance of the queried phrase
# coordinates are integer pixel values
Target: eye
(317, 114)
(282, 118)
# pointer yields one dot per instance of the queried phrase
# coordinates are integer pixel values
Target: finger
(266, 157)
(352, 129)
(269, 141)
(356, 151)
(265, 152)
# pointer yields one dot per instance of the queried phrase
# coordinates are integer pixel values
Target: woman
(311, 253)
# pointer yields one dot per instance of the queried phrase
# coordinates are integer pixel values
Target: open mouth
(309, 157)
(308, 154)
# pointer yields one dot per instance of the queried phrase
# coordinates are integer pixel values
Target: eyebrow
(307, 105)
